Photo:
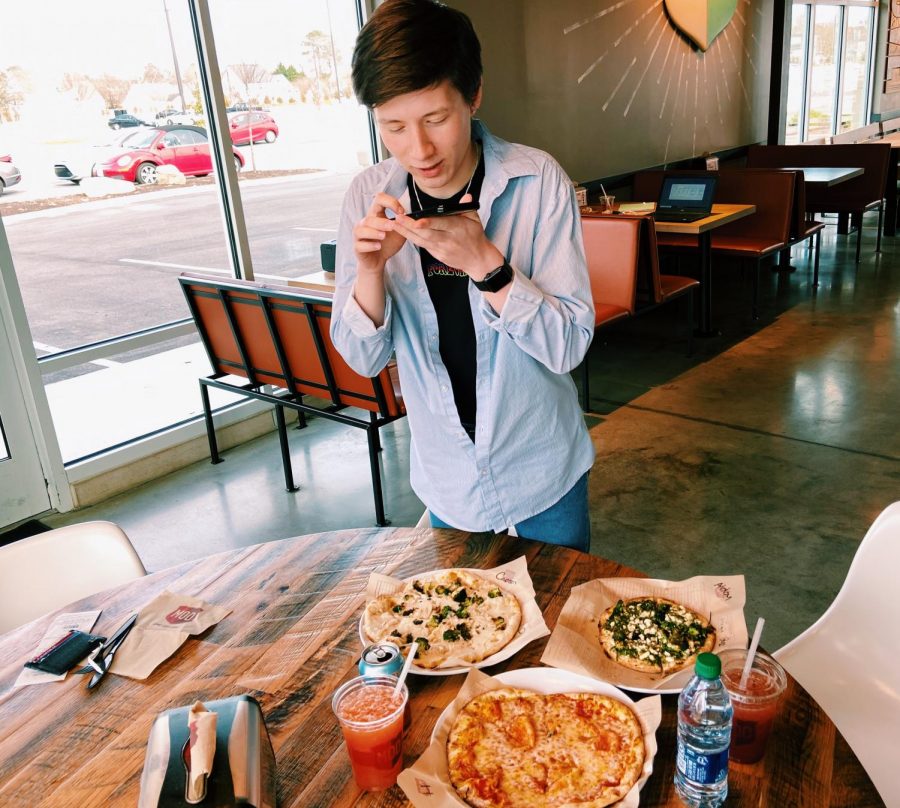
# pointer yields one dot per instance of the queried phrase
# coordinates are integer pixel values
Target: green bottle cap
(708, 666)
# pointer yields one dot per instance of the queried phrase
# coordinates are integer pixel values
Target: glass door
(23, 490)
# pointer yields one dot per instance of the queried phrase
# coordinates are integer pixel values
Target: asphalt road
(100, 269)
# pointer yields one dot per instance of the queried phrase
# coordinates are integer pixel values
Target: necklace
(468, 184)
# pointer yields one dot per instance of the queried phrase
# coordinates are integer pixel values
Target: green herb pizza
(654, 635)
(451, 614)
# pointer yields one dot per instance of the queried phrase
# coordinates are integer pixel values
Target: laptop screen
(687, 194)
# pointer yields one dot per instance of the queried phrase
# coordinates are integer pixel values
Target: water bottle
(704, 732)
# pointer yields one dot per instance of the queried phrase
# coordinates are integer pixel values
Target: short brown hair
(409, 45)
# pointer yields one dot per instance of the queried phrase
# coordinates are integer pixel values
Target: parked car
(78, 162)
(173, 116)
(261, 124)
(185, 147)
(123, 119)
(9, 174)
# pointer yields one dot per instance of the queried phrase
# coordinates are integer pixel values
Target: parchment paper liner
(427, 782)
(512, 577)
(575, 646)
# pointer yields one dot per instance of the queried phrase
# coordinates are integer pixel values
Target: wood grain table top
(292, 639)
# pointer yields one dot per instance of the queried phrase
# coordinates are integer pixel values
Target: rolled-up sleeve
(364, 346)
(549, 311)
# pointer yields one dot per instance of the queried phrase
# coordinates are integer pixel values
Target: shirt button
(443, 388)
(433, 337)
(483, 473)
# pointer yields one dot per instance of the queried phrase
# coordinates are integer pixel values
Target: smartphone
(443, 210)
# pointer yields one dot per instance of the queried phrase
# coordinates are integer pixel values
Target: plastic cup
(755, 704)
(607, 204)
(372, 723)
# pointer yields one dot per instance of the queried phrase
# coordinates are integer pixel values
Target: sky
(120, 37)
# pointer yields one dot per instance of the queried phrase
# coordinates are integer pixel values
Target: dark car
(185, 147)
(122, 119)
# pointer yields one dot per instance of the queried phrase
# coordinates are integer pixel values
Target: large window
(101, 112)
(830, 77)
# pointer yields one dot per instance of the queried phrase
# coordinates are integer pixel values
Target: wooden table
(317, 282)
(890, 190)
(827, 176)
(702, 228)
(292, 639)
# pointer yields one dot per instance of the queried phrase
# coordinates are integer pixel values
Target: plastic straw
(603, 190)
(751, 653)
(406, 666)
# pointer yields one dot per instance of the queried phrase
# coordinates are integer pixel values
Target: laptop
(685, 198)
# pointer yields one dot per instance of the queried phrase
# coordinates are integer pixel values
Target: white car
(9, 174)
(180, 117)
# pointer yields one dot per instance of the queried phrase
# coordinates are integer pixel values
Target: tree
(248, 74)
(112, 89)
(290, 72)
(78, 84)
(317, 48)
(13, 85)
(153, 75)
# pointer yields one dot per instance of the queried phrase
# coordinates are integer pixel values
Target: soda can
(381, 659)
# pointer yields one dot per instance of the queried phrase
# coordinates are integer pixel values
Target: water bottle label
(706, 769)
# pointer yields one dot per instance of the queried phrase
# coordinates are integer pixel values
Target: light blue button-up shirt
(531, 444)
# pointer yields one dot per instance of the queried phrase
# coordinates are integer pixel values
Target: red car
(185, 147)
(262, 125)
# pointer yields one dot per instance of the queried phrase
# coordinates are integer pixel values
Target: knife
(106, 652)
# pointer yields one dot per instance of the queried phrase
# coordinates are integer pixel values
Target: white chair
(849, 659)
(44, 572)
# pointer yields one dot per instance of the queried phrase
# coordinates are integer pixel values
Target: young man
(487, 311)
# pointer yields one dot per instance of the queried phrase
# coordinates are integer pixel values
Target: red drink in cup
(371, 719)
(755, 704)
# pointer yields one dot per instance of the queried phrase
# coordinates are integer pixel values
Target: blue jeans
(566, 523)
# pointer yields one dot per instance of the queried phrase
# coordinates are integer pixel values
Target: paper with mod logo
(701, 20)
(162, 627)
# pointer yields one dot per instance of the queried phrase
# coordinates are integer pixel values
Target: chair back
(858, 135)
(280, 336)
(848, 659)
(611, 246)
(646, 185)
(772, 192)
(849, 196)
(42, 573)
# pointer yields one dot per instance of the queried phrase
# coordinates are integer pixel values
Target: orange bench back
(278, 336)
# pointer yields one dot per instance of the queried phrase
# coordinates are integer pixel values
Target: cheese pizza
(654, 635)
(451, 614)
(513, 747)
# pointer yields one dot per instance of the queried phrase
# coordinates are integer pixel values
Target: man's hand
(459, 241)
(375, 238)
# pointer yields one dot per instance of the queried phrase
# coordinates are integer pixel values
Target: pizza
(513, 747)
(451, 614)
(654, 635)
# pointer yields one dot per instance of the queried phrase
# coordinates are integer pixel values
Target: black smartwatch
(495, 280)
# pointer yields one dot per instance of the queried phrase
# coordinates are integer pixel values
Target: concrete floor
(769, 452)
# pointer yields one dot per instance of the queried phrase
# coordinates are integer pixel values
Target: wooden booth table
(292, 639)
(321, 281)
(702, 229)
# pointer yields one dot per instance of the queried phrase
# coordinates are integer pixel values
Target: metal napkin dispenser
(243, 771)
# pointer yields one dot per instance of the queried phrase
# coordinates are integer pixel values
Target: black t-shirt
(448, 288)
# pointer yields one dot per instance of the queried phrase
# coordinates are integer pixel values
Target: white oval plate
(493, 659)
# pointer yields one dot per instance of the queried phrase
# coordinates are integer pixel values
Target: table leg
(704, 244)
(890, 195)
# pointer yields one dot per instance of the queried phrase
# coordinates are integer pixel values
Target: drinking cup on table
(607, 204)
(371, 719)
(755, 704)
